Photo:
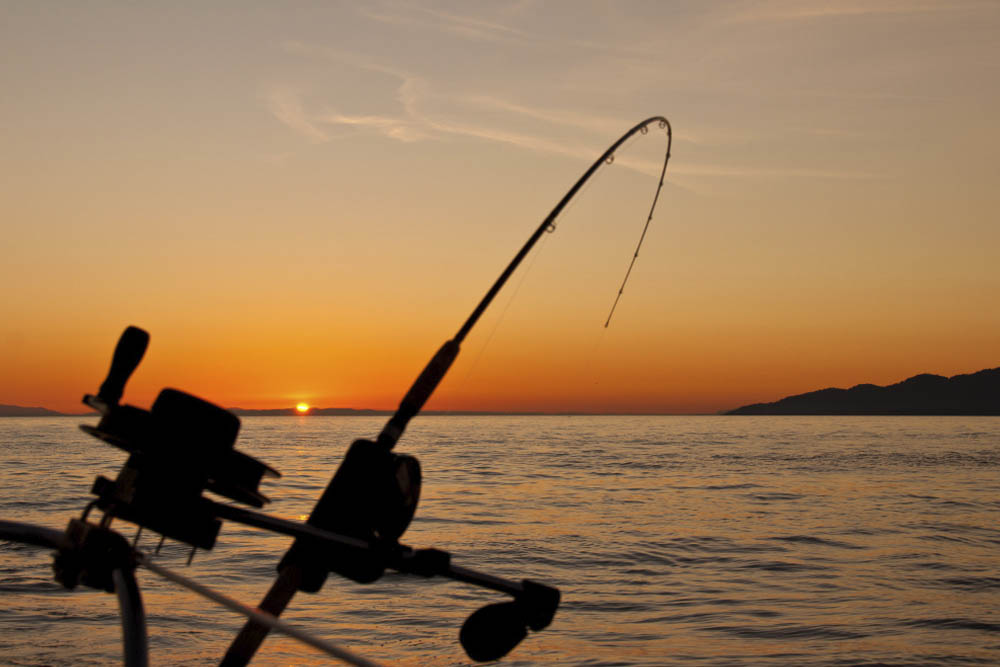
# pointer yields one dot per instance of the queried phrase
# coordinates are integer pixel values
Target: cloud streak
(464, 26)
(425, 113)
(286, 105)
(799, 11)
(773, 172)
(394, 128)
(555, 116)
(484, 31)
(416, 122)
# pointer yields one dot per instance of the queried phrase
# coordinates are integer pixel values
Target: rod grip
(422, 388)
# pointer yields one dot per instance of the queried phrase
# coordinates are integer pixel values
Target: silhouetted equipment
(382, 488)
(419, 392)
(128, 353)
(97, 557)
(491, 632)
(184, 446)
(177, 450)
(90, 556)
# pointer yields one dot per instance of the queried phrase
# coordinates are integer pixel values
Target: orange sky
(302, 205)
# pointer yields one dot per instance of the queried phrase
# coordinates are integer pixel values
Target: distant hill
(925, 394)
(18, 411)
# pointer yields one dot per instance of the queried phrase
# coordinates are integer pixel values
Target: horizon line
(376, 412)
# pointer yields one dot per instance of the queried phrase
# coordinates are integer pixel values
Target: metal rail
(258, 616)
(135, 640)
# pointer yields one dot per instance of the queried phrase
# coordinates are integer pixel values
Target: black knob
(128, 353)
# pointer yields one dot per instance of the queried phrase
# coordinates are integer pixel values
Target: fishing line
(649, 218)
(592, 357)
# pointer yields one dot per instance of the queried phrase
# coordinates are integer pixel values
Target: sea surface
(674, 540)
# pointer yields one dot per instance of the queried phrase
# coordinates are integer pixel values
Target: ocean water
(674, 540)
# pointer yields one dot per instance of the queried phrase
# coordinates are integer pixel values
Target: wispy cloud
(562, 117)
(425, 113)
(797, 10)
(477, 29)
(416, 122)
(285, 104)
(342, 57)
(688, 169)
(394, 128)
(464, 26)
(414, 91)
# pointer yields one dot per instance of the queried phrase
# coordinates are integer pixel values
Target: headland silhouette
(19, 411)
(925, 394)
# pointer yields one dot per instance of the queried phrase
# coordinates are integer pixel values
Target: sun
(302, 408)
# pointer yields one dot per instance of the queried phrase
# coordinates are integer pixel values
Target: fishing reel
(178, 449)
(372, 497)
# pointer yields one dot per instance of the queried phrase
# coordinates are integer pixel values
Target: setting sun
(302, 408)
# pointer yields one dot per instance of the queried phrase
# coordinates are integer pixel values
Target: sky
(301, 201)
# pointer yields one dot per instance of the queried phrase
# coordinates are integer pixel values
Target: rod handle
(418, 394)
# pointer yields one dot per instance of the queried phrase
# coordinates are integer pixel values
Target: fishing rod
(370, 472)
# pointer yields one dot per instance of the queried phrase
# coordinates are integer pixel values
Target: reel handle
(128, 353)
